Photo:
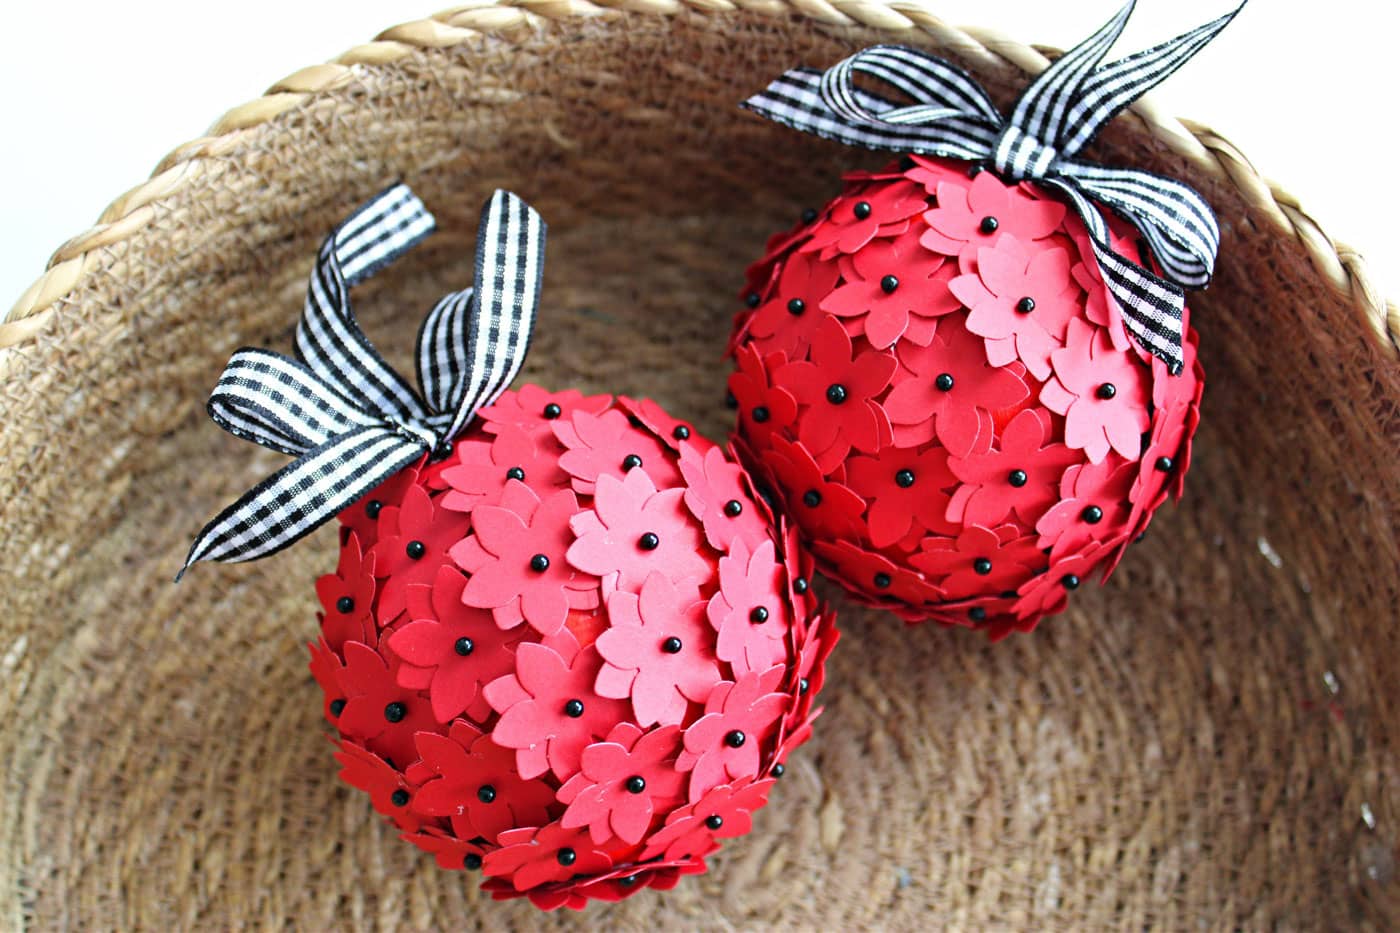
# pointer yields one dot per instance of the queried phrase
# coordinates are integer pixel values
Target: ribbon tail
(1116, 85)
(1042, 109)
(304, 495)
(443, 349)
(1152, 308)
(328, 338)
(509, 273)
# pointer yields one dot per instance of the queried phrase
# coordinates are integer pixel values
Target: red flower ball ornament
(968, 386)
(565, 645)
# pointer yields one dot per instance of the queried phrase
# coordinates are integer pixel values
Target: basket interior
(1210, 737)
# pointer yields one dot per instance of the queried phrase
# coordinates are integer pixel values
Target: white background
(94, 94)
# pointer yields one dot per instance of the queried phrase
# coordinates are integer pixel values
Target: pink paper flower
(658, 651)
(378, 712)
(979, 561)
(549, 710)
(1021, 478)
(786, 322)
(764, 408)
(389, 793)
(823, 507)
(531, 857)
(415, 538)
(1093, 506)
(839, 386)
(1021, 301)
(451, 649)
(722, 812)
(907, 489)
(860, 216)
(876, 574)
(1101, 393)
(621, 782)
(362, 517)
(717, 493)
(969, 217)
(516, 558)
(633, 530)
(608, 445)
(1100, 307)
(893, 289)
(483, 469)
(533, 408)
(348, 597)
(724, 744)
(952, 393)
(748, 611)
(476, 785)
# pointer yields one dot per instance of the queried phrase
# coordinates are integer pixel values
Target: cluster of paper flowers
(934, 380)
(572, 654)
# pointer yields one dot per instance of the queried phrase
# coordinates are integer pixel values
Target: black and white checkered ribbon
(1054, 118)
(350, 420)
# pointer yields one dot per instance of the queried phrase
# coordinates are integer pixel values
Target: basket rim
(1341, 266)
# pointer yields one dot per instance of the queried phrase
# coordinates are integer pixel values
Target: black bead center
(733, 508)
(836, 393)
(977, 614)
(395, 712)
(552, 411)
(883, 581)
(1092, 514)
(680, 432)
(486, 793)
(888, 284)
(345, 605)
(337, 707)
(800, 585)
(1070, 581)
(796, 306)
(1107, 391)
(904, 479)
(758, 615)
(416, 550)
(399, 797)
(735, 739)
(760, 414)
(472, 861)
(982, 566)
(862, 210)
(811, 498)
(636, 784)
(714, 821)
(1026, 305)
(463, 646)
(989, 224)
(671, 645)
(372, 508)
(539, 563)
(1164, 464)
(515, 473)
(566, 856)
(649, 541)
(1017, 478)
(944, 382)
(573, 709)
(631, 462)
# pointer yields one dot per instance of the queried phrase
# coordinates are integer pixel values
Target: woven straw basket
(1210, 740)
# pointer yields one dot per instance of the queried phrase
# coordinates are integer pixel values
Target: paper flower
(722, 812)
(1011, 367)
(516, 698)
(362, 518)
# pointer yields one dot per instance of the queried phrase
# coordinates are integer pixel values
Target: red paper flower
(859, 217)
(907, 489)
(1047, 592)
(477, 786)
(633, 530)
(724, 744)
(533, 408)
(325, 668)
(1021, 478)
(348, 597)
(549, 710)
(413, 545)
(953, 392)
(1021, 301)
(979, 561)
(483, 469)
(893, 289)
(450, 852)
(389, 793)
(877, 576)
(717, 493)
(623, 882)
(840, 386)
(516, 558)
(787, 321)
(824, 508)
(362, 517)
(1093, 506)
(621, 782)
(608, 445)
(763, 407)
(960, 224)
(451, 649)
(1101, 393)
(748, 611)
(531, 857)
(678, 435)
(722, 812)
(378, 712)
(658, 651)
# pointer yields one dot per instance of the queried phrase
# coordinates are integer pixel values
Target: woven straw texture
(1209, 741)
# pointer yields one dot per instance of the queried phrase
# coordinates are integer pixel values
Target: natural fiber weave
(1208, 741)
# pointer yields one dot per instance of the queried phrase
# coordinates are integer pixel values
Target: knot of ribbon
(350, 420)
(1055, 117)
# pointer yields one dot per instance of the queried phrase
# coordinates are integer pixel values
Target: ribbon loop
(1052, 120)
(350, 420)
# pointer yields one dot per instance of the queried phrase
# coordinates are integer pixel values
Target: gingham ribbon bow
(350, 420)
(1054, 118)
